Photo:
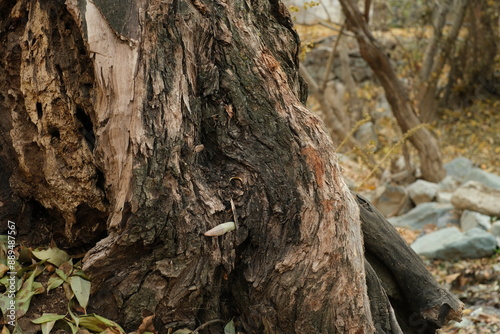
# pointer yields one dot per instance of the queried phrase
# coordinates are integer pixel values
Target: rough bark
(137, 123)
(430, 156)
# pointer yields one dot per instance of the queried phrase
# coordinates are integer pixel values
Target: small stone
(422, 191)
(443, 197)
(392, 200)
(495, 228)
(471, 219)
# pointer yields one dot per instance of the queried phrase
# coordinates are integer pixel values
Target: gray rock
(471, 219)
(495, 228)
(458, 167)
(443, 197)
(449, 183)
(422, 191)
(476, 243)
(423, 214)
(479, 175)
(451, 244)
(429, 244)
(449, 218)
(392, 200)
(477, 197)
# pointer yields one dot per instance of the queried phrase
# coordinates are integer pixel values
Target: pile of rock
(462, 212)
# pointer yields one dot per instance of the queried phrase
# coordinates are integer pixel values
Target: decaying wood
(420, 303)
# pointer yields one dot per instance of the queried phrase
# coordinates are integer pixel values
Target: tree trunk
(430, 155)
(131, 127)
(472, 73)
(428, 99)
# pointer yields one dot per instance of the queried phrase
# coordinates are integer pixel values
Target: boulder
(422, 191)
(392, 200)
(451, 244)
(428, 245)
(477, 197)
(479, 175)
(423, 214)
(471, 219)
(458, 167)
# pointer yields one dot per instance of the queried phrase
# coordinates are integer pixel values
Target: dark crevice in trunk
(87, 128)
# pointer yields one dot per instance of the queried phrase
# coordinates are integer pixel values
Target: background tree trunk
(428, 99)
(430, 156)
(472, 71)
(133, 125)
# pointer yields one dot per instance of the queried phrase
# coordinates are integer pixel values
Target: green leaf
(110, 323)
(27, 291)
(229, 328)
(79, 272)
(67, 268)
(98, 324)
(3, 281)
(23, 304)
(3, 269)
(54, 282)
(4, 303)
(17, 330)
(74, 328)
(183, 331)
(47, 327)
(62, 274)
(81, 289)
(34, 266)
(75, 318)
(53, 255)
(38, 288)
(48, 317)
